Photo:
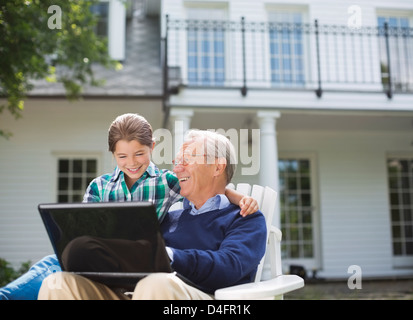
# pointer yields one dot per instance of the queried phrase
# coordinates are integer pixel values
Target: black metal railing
(271, 56)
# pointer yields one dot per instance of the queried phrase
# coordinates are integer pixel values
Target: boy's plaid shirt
(161, 187)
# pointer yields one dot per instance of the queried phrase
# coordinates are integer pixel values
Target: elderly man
(208, 241)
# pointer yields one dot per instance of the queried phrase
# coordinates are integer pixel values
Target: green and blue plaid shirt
(161, 187)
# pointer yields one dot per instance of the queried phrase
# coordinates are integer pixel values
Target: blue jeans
(27, 286)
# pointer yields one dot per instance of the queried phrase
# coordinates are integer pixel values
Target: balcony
(248, 55)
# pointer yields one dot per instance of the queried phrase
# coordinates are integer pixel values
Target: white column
(269, 155)
(180, 120)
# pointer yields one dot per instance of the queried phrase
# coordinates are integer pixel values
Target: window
(400, 180)
(111, 24)
(297, 221)
(206, 47)
(102, 11)
(400, 50)
(286, 49)
(206, 57)
(74, 175)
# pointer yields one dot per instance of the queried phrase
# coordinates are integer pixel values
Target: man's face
(195, 173)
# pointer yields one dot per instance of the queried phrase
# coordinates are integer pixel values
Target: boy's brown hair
(130, 126)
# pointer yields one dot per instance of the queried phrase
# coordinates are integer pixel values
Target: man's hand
(248, 206)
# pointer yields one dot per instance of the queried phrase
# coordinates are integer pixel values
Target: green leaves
(8, 274)
(30, 49)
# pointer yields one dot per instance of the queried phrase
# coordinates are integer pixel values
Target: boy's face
(133, 159)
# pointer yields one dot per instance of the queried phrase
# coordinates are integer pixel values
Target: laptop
(115, 243)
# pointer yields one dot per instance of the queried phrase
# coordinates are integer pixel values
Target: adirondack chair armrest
(277, 232)
(268, 289)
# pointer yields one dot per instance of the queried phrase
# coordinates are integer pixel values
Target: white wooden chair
(279, 283)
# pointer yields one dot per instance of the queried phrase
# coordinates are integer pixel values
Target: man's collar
(217, 202)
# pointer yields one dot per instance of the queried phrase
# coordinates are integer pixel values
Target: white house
(316, 95)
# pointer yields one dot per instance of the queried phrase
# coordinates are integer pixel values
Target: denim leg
(27, 286)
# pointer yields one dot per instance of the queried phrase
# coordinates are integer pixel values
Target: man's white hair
(215, 145)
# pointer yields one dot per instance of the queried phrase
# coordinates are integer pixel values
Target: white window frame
(196, 10)
(408, 14)
(72, 156)
(272, 9)
(313, 263)
(405, 260)
(116, 29)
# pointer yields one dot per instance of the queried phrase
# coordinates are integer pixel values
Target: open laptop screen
(118, 237)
